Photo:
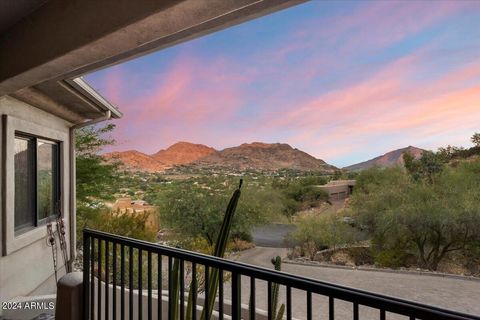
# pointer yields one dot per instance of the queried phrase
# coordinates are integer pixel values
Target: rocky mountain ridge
(256, 155)
(389, 159)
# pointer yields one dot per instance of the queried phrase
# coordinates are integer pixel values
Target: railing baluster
(99, 286)
(194, 291)
(107, 304)
(92, 278)
(289, 303)
(149, 284)
(140, 280)
(114, 281)
(86, 274)
(269, 300)
(220, 294)
(182, 291)
(97, 267)
(122, 282)
(130, 283)
(309, 305)
(159, 287)
(252, 298)
(331, 308)
(236, 296)
(207, 291)
(170, 289)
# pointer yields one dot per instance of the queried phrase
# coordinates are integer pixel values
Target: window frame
(56, 166)
(48, 128)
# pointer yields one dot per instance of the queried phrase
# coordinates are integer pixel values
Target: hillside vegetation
(423, 214)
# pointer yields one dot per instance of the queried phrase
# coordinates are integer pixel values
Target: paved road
(272, 235)
(455, 294)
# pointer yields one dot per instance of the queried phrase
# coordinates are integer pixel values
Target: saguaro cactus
(276, 314)
(220, 247)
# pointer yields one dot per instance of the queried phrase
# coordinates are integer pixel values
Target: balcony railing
(123, 278)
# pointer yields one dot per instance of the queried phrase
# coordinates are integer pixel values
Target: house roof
(73, 100)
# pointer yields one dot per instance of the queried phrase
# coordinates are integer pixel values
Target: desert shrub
(240, 245)
(290, 207)
(127, 224)
(392, 258)
(360, 255)
(312, 180)
(314, 233)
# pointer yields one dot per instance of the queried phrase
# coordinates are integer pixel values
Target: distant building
(339, 189)
(127, 205)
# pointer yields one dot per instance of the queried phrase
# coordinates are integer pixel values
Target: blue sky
(344, 81)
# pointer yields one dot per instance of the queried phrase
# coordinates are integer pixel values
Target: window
(37, 181)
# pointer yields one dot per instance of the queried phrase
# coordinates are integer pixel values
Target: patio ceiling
(62, 40)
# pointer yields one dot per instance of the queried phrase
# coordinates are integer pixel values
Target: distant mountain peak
(257, 144)
(183, 152)
(264, 156)
(389, 159)
(135, 160)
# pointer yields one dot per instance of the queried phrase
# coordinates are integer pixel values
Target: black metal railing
(124, 278)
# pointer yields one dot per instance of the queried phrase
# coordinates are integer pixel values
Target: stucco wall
(29, 269)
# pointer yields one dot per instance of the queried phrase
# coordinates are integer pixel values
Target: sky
(343, 81)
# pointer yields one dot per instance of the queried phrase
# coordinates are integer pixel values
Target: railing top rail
(370, 299)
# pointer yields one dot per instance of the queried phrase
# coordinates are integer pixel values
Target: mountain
(257, 155)
(177, 154)
(389, 159)
(136, 161)
(183, 153)
(264, 156)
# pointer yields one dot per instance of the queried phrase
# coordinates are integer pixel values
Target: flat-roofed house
(128, 206)
(339, 189)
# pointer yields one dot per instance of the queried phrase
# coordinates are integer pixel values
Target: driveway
(271, 235)
(449, 293)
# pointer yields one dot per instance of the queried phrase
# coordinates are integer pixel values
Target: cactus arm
(280, 313)
(277, 315)
(173, 305)
(220, 247)
(192, 294)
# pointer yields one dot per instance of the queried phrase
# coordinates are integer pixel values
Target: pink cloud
(389, 102)
(181, 102)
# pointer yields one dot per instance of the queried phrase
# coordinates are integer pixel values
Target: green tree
(325, 231)
(301, 194)
(95, 178)
(197, 209)
(476, 139)
(427, 219)
(427, 167)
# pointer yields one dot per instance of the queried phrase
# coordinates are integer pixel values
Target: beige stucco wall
(28, 269)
